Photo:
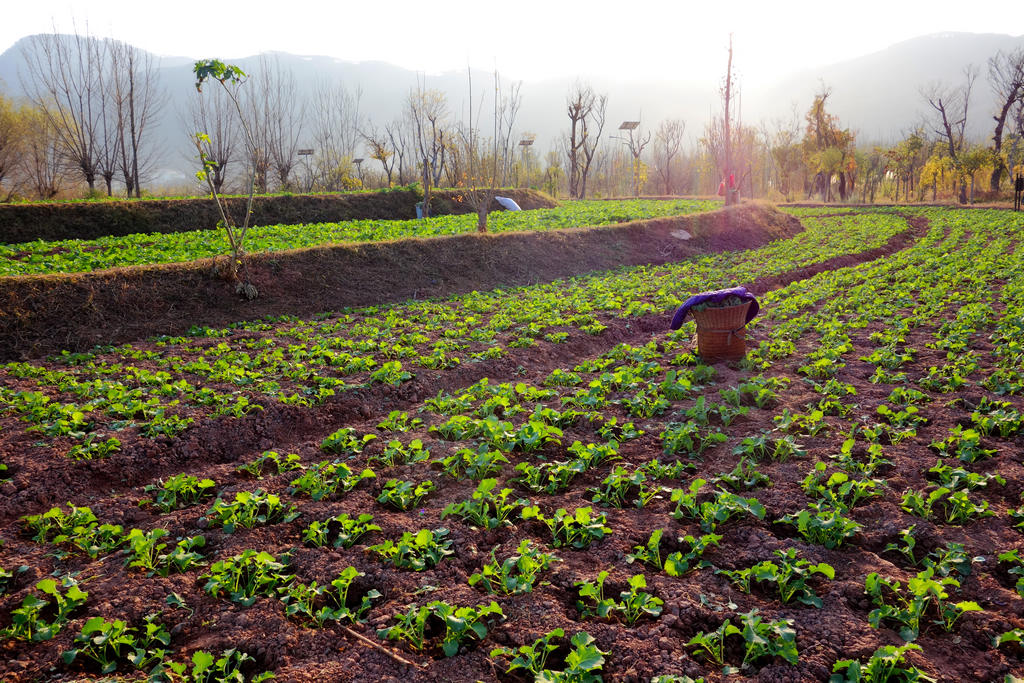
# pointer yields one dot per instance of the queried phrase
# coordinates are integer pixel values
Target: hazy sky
(527, 39)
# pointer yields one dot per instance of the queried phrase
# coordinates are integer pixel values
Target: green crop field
(543, 482)
(74, 256)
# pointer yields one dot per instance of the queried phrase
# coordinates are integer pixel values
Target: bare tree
(108, 136)
(668, 140)
(485, 168)
(399, 138)
(11, 143)
(255, 103)
(42, 163)
(553, 172)
(950, 118)
(1017, 135)
(427, 112)
(63, 81)
(506, 110)
(276, 122)
(636, 142)
(213, 112)
(380, 149)
(335, 123)
(336, 119)
(586, 112)
(138, 98)
(1006, 78)
(784, 152)
(456, 162)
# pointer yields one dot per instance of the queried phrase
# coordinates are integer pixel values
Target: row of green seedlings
(107, 645)
(232, 366)
(944, 283)
(760, 639)
(75, 255)
(123, 408)
(487, 507)
(895, 425)
(542, 310)
(902, 418)
(949, 493)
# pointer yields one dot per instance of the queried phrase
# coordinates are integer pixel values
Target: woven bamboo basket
(721, 333)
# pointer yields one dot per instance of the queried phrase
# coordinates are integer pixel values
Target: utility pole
(730, 192)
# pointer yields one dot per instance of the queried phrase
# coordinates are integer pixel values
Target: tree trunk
(426, 190)
(134, 138)
(997, 175)
(481, 219)
(997, 141)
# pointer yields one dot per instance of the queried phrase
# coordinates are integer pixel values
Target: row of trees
(91, 108)
(88, 114)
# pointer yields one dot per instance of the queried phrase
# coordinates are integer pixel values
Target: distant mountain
(877, 95)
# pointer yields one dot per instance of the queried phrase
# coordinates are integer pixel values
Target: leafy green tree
(828, 150)
(902, 159)
(972, 161)
(934, 171)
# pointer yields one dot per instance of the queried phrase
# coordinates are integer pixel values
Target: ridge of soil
(91, 220)
(48, 313)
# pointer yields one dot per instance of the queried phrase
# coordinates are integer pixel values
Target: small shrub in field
(578, 529)
(516, 573)
(461, 624)
(340, 531)
(582, 664)
(418, 551)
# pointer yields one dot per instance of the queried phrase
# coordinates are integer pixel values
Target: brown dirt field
(696, 602)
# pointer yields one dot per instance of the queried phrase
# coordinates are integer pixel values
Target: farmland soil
(697, 602)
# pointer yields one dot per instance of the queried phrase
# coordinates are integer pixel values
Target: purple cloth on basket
(715, 296)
